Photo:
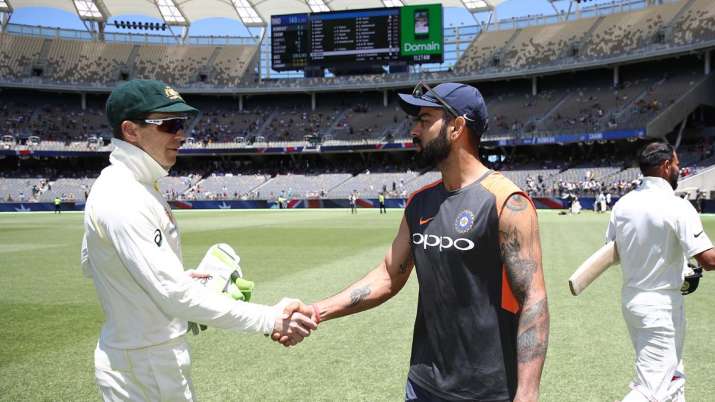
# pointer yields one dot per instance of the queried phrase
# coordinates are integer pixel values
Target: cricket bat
(594, 266)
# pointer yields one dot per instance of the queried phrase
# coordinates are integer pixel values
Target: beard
(434, 151)
(673, 178)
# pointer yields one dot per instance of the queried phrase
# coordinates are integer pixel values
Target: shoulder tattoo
(517, 203)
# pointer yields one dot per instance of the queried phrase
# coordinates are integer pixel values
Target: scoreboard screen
(355, 36)
(290, 42)
(411, 34)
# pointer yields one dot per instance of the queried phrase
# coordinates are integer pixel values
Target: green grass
(51, 317)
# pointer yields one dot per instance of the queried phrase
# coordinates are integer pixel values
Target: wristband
(317, 313)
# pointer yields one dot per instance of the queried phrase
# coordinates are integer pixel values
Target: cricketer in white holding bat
(655, 233)
(132, 251)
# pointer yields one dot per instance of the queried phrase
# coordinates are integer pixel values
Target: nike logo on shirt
(424, 221)
(701, 232)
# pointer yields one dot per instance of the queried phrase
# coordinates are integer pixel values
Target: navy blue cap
(465, 99)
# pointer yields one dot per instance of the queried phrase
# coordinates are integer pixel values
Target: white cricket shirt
(655, 233)
(132, 251)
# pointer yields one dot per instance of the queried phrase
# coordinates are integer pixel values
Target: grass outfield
(51, 317)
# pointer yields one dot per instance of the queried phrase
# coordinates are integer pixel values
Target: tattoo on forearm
(357, 295)
(520, 269)
(403, 268)
(530, 346)
(517, 203)
(520, 253)
(534, 313)
(533, 342)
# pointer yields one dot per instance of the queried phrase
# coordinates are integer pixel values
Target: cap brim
(411, 105)
(178, 107)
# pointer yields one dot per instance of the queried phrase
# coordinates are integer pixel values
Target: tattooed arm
(380, 284)
(521, 254)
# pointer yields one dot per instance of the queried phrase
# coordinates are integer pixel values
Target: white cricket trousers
(658, 333)
(155, 373)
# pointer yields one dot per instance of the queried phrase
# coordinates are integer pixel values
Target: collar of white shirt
(656, 183)
(144, 167)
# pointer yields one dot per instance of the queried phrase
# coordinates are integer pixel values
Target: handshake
(220, 271)
(295, 322)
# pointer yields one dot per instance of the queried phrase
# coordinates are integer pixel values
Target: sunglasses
(419, 92)
(170, 125)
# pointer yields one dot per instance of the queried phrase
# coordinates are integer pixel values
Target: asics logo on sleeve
(157, 237)
(443, 242)
(701, 232)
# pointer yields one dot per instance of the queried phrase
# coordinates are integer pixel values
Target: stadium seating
(173, 186)
(100, 63)
(17, 190)
(295, 123)
(370, 121)
(579, 106)
(51, 117)
(626, 175)
(303, 186)
(179, 65)
(585, 173)
(658, 97)
(588, 38)
(544, 44)
(224, 125)
(17, 55)
(67, 189)
(590, 107)
(534, 181)
(232, 63)
(588, 179)
(696, 24)
(74, 189)
(480, 53)
(76, 61)
(624, 32)
(512, 114)
(368, 185)
(229, 186)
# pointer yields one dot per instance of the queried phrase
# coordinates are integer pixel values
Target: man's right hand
(294, 322)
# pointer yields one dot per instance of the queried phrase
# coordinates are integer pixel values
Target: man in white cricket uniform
(600, 205)
(132, 251)
(655, 233)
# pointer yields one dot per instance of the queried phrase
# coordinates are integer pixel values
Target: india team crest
(464, 221)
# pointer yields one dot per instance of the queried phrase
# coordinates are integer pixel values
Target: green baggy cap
(135, 99)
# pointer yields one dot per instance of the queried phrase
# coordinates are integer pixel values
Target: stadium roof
(250, 12)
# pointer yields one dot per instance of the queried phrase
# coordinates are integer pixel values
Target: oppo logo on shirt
(443, 242)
